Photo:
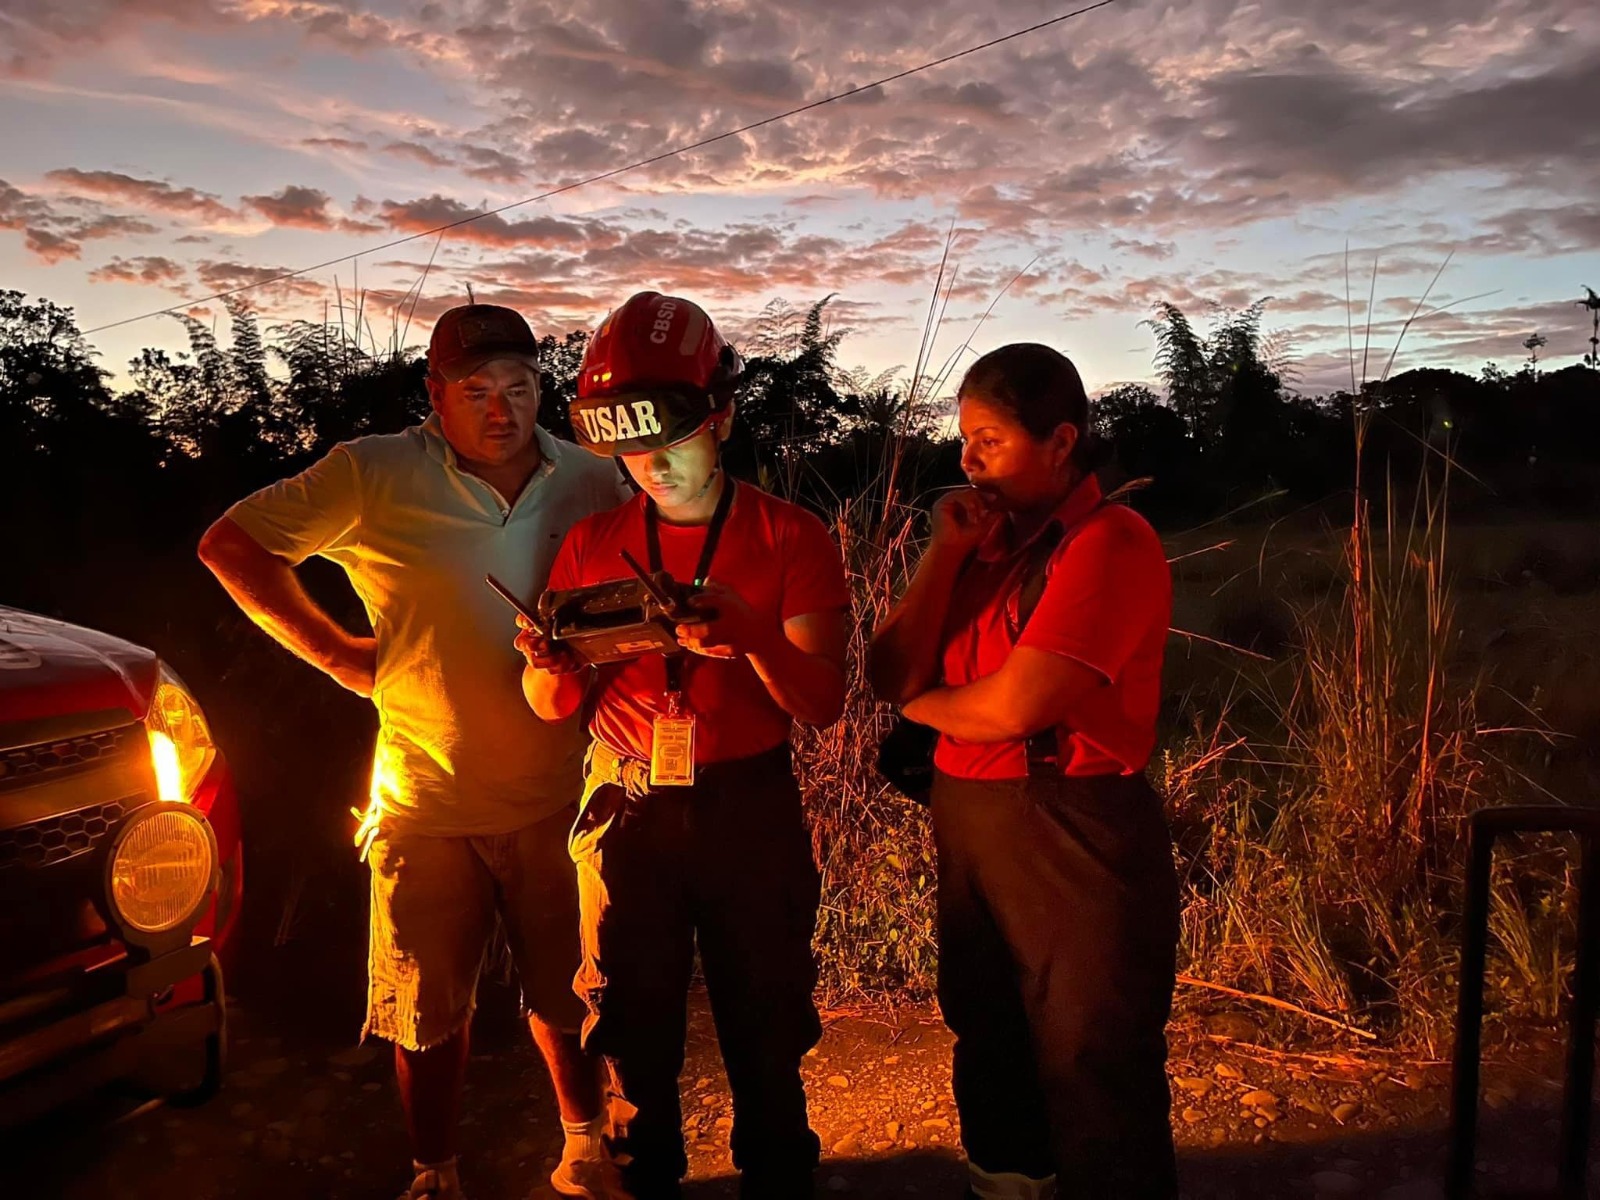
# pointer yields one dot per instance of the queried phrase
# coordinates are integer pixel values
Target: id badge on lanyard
(672, 746)
(672, 733)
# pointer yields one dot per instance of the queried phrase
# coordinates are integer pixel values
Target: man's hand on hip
(265, 587)
(353, 665)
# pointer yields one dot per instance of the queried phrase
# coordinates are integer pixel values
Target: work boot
(435, 1183)
(590, 1179)
(1005, 1185)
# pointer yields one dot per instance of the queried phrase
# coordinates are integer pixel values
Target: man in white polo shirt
(472, 794)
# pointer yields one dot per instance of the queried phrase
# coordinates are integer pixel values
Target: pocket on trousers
(1116, 821)
(602, 804)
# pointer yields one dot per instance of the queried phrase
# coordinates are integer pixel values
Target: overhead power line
(611, 174)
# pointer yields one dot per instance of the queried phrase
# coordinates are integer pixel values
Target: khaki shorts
(434, 902)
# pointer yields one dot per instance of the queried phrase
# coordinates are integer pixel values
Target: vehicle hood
(49, 668)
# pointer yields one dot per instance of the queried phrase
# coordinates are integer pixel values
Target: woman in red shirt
(1058, 904)
(691, 833)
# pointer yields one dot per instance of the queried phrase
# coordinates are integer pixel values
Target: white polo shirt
(459, 752)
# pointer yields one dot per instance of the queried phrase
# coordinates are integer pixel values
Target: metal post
(1577, 1101)
(1469, 1015)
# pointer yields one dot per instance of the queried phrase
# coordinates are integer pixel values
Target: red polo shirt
(778, 557)
(1107, 602)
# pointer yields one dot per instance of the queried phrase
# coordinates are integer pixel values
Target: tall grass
(875, 937)
(1318, 802)
(1324, 867)
(1323, 848)
(875, 847)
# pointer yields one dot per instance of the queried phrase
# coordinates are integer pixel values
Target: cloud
(814, 201)
(299, 207)
(1323, 124)
(417, 216)
(1205, 110)
(575, 150)
(1218, 118)
(1223, 113)
(492, 165)
(732, 269)
(417, 152)
(1140, 159)
(348, 30)
(1460, 338)
(54, 232)
(565, 273)
(18, 209)
(335, 143)
(1540, 230)
(666, 31)
(152, 195)
(221, 275)
(41, 31)
(151, 270)
(50, 247)
(110, 225)
(1160, 251)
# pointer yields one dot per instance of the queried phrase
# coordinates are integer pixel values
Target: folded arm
(1033, 690)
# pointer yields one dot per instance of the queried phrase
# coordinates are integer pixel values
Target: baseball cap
(470, 335)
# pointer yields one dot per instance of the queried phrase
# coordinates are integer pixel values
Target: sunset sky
(153, 151)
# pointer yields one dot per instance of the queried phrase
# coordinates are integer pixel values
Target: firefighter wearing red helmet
(691, 833)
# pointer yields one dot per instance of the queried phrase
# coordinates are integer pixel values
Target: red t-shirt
(1107, 602)
(781, 561)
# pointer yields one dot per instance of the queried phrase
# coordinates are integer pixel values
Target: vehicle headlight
(181, 749)
(163, 866)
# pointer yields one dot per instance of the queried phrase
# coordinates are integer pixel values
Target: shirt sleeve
(813, 571)
(310, 513)
(1109, 591)
(617, 492)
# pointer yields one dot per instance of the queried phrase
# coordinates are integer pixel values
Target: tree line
(145, 463)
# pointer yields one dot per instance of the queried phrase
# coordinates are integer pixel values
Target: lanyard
(1036, 556)
(1044, 748)
(702, 572)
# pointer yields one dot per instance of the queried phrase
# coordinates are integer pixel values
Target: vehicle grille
(66, 787)
(56, 839)
(61, 798)
(32, 762)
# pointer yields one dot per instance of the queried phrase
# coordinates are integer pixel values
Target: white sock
(1006, 1185)
(584, 1140)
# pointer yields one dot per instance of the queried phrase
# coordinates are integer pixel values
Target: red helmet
(655, 372)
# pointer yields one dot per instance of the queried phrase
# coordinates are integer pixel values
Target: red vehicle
(121, 872)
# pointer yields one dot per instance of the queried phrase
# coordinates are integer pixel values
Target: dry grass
(1322, 849)
(1317, 802)
(875, 937)
(875, 847)
(1317, 785)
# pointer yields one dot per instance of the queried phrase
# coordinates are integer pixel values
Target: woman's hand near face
(962, 519)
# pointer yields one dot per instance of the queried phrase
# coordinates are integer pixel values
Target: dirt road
(306, 1113)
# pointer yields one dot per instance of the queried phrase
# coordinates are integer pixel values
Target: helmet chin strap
(710, 479)
(716, 432)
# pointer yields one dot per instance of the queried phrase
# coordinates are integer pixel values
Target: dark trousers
(726, 864)
(1058, 929)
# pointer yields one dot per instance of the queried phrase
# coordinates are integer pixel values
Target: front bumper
(60, 1044)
